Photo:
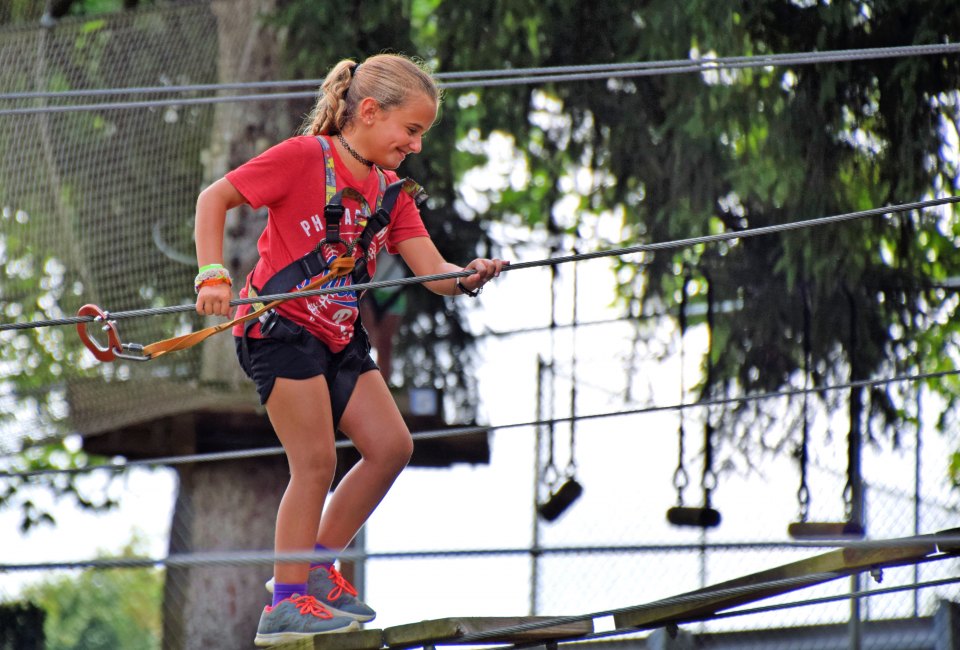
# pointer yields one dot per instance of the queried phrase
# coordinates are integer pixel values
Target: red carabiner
(108, 353)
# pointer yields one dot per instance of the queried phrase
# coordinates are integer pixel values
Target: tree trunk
(248, 51)
(221, 507)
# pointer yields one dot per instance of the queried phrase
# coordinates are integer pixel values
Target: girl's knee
(316, 467)
(404, 449)
(393, 452)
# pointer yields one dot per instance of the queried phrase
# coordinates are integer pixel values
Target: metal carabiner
(114, 349)
(102, 353)
(134, 347)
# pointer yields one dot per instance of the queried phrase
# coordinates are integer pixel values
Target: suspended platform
(688, 607)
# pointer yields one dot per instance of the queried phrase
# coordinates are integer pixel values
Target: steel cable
(617, 252)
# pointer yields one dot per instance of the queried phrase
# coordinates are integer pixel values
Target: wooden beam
(450, 631)
(751, 588)
(361, 640)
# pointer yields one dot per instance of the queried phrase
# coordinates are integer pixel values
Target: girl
(310, 359)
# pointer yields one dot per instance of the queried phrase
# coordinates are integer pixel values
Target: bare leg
(301, 416)
(373, 423)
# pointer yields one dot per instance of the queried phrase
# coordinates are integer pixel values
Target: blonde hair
(388, 78)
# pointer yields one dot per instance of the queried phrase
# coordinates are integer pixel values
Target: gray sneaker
(336, 594)
(298, 617)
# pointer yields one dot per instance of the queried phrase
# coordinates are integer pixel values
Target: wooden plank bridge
(698, 605)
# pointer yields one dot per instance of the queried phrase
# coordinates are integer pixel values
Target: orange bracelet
(212, 281)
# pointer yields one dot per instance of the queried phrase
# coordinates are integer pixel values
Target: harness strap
(308, 266)
(313, 264)
(377, 222)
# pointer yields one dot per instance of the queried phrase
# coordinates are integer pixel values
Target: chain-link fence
(96, 206)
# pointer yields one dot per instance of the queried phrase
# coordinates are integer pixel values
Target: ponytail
(329, 113)
(388, 78)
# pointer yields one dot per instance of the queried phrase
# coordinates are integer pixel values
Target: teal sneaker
(336, 594)
(299, 617)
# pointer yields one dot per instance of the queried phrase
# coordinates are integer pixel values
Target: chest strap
(313, 263)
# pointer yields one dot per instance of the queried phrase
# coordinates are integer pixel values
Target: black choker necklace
(350, 150)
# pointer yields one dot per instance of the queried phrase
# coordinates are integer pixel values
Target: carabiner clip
(114, 349)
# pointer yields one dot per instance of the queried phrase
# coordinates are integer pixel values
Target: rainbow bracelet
(211, 274)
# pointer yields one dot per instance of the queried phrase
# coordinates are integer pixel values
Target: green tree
(112, 609)
(681, 155)
(684, 155)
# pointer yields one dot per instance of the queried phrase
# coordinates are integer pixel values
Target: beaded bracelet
(211, 274)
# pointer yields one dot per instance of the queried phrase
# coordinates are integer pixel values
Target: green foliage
(739, 149)
(112, 609)
(676, 155)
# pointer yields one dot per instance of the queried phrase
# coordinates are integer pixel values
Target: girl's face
(391, 135)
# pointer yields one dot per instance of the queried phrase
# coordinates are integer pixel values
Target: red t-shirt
(289, 179)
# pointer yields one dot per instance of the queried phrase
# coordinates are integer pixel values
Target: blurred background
(761, 385)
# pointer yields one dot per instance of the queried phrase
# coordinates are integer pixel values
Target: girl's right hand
(214, 300)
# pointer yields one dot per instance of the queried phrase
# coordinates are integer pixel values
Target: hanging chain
(680, 477)
(709, 480)
(803, 493)
(551, 474)
(572, 464)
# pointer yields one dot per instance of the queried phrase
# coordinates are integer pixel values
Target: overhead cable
(474, 79)
(453, 432)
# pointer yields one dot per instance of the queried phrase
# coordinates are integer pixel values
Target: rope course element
(702, 596)
(464, 431)
(564, 259)
(478, 78)
(699, 605)
(856, 595)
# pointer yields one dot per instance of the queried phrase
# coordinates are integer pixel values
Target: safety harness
(296, 276)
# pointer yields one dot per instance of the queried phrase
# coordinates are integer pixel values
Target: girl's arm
(212, 206)
(423, 258)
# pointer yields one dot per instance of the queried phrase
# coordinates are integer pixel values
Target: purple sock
(283, 590)
(326, 564)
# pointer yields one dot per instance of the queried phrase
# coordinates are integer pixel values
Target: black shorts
(306, 357)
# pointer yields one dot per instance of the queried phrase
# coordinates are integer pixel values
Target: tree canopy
(679, 155)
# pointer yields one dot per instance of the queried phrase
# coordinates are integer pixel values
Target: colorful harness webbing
(316, 261)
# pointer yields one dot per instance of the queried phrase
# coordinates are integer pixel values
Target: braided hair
(387, 78)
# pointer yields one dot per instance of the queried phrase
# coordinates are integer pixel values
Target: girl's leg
(301, 416)
(373, 422)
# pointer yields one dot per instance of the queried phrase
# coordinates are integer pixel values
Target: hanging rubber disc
(695, 517)
(825, 530)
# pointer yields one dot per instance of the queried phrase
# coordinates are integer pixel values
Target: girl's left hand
(485, 269)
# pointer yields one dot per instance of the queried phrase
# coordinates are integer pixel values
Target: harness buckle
(332, 213)
(268, 321)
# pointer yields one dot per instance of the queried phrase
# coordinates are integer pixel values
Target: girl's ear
(368, 110)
